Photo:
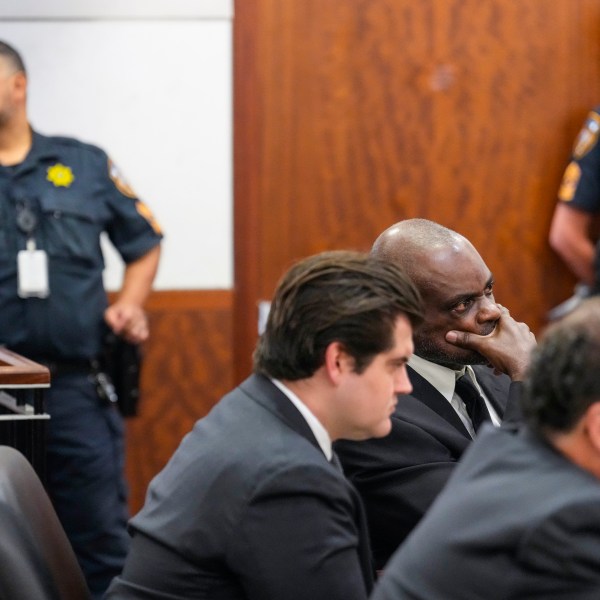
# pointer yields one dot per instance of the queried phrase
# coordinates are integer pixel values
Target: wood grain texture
(187, 368)
(353, 114)
(17, 370)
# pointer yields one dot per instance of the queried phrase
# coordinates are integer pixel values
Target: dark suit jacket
(399, 476)
(516, 521)
(249, 508)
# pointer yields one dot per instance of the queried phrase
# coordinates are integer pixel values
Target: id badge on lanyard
(32, 272)
(32, 264)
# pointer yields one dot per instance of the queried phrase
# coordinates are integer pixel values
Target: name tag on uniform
(32, 270)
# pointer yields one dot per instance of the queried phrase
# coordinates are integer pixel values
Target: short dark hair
(13, 57)
(563, 378)
(344, 296)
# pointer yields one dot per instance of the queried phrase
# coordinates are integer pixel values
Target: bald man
(469, 352)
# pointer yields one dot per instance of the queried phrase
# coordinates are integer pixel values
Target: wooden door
(353, 114)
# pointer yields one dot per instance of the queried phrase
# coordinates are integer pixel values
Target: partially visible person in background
(520, 516)
(574, 230)
(253, 505)
(57, 195)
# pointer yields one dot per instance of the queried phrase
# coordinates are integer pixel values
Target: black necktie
(335, 461)
(474, 403)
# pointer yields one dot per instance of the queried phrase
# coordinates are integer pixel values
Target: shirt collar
(315, 425)
(40, 148)
(443, 379)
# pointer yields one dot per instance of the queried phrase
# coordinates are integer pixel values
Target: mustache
(487, 328)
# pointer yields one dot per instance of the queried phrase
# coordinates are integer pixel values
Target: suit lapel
(364, 546)
(428, 395)
(495, 387)
(262, 390)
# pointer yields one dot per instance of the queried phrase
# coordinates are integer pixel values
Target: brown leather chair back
(36, 558)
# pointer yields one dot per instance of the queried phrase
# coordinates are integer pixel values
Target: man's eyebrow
(469, 295)
(399, 359)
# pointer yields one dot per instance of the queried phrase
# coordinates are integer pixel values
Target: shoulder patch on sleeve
(588, 136)
(119, 181)
(570, 181)
(147, 214)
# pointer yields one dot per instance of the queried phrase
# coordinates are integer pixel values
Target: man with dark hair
(57, 197)
(253, 504)
(454, 390)
(520, 517)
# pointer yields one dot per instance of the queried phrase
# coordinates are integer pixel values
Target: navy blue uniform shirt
(76, 193)
(580, 186)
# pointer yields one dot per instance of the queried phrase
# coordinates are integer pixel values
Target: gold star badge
(60, 175)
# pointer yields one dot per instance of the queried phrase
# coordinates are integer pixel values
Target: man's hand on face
(507, 348)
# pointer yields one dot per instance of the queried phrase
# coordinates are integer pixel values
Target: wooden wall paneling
(353, 114)
(247, 155)
(187, 368)
(496, 170)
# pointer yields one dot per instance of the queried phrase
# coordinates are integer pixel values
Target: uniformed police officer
(56, 197)
(574, 229)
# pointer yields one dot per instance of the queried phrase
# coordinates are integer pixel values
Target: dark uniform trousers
(85, 476)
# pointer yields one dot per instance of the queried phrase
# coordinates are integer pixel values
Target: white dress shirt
(444, 379)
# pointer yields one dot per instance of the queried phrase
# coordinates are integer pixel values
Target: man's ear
(337, 361)
(20, 84)
(592, 422)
